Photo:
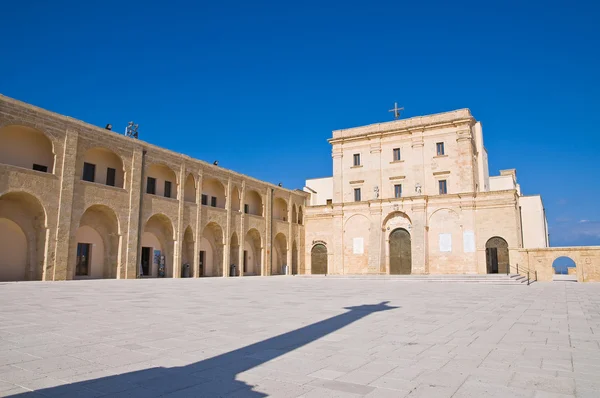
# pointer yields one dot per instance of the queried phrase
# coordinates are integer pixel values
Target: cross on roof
(396, 110)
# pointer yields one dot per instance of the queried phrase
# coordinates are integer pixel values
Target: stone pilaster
(268, 235)
(65, 252)
(419, 237)
(376, 240)
(338, 174)
(227, 243)
(241, 234)
(290, 237)
(198, 231)
(418, 168)
(335, 254)
(180, 231)
(465, 180)
(131, 236)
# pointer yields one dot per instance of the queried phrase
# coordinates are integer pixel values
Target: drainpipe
(140, 227)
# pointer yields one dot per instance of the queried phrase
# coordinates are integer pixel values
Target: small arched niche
(26, 147)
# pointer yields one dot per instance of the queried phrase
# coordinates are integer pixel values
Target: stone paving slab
(298, 337)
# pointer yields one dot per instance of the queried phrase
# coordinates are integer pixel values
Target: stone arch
(163, 177)
(235, 199)
(300, 215)
(254, 203)
(496, 255)
(280, 209)
(357, 230)
(97, 243)
(388, 221)
(27, 147)
(189, 189)
(294, 214)
(211, 250)
(214, 192)
(400, 252)
(103, 160)
(234, 254)
(187, 252)
(318, 259)
(22, 215)
(294, 258)
(445, 243)
(158, 238)
(564, 265)
(280, 248)
(253, 252)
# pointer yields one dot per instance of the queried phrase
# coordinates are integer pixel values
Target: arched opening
(496, 255)
(294, 214)
(564, 269)
(189, 189)
(22, 237)
(234, 253)
(318, 260)
(97, 241)
(213, 193)
(187, 253)
(252, 253)
(235, 199)
(253, 204)
(400, 252)
(300, 215)
(161, 181)
(279, 255)
(103, 166)
(211, 250)
(294, 259)
(26, 147)
(157, 247)
(280, 209)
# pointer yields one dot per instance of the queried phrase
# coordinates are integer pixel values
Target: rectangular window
(398, 190)
(396, 154)
(357, 194)
(443, 187)
(151, 186)
(167, 189)
(439, 148)
(204, 199)
(329, 201)
(82, 267)
(213, 201)
(89, 172)
(110, 176)
(246, 208)
(357, 159)
(39, 167)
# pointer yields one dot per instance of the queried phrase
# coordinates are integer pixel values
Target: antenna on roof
(132, 130)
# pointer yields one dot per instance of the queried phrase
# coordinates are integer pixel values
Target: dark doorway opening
(318, 260)
(496, 255)
(84, 251)
(202, 257)
(146, 257)
(400, 252)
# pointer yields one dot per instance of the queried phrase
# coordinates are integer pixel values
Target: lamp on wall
(216, 162)
(108, 126)
(280, 184)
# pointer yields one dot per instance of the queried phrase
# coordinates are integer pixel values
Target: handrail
(523, 271)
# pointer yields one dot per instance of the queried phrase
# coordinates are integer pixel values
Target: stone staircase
(491, 279)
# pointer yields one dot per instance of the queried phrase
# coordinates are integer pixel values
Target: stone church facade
(414, 196)
(78, 201)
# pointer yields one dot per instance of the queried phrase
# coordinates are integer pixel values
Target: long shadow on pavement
(212, 377)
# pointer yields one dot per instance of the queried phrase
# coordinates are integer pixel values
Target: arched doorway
(211, 250)
(279, 254)
(97, 242)
(400, 252)
(22, 237)
(496, 255)
(564, 269)
(252, 253)
(157, 247)
(318, 260)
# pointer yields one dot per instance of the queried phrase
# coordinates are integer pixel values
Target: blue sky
(259, 86)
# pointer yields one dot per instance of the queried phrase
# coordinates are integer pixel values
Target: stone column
(131, 236)
(268, 238)
(290, 238)
(65, 251)
(338, 177)
(180, 232)
(242, 236)
(227, 243)
(198, 231)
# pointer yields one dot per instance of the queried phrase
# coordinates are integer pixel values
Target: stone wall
(586, 258)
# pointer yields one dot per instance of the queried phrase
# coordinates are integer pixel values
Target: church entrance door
(496, 255)
(400, 252)
(318, 260)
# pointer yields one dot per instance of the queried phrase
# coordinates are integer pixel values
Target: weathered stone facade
(46, 216)
(427, 176)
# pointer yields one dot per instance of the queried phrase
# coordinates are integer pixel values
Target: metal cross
(396, 110)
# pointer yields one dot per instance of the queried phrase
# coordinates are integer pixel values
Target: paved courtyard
(290, 337)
